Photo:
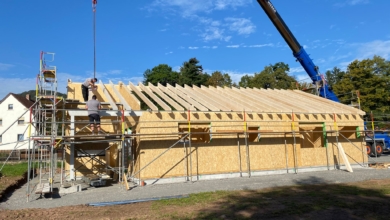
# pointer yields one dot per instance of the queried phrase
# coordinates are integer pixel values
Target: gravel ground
(117, 192)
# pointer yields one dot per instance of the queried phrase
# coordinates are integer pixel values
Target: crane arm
(298, 51)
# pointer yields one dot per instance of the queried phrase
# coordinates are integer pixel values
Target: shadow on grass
(308, 199)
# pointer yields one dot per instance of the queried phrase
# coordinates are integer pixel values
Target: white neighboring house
(11, 109)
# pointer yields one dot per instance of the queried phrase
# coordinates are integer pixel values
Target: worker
(90, 82)
(93, 106)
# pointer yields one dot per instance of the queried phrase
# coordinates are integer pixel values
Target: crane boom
(298, 51)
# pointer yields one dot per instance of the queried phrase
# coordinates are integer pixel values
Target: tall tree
(219, 79)
(191, 73)
(273, 76)
(246, 81)
(161, 74)
(334, 76)
(369, 76)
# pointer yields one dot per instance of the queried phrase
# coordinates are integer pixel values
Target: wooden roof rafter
(198, 97)
(211, 98)
(231, 105)
(290, 104)
(128, 93)
(238, 101)
(154, 97)
(256, 99)
(143, 97)
(108, 97)
(187, 98)
(178, 99)
(303, 102)
(336, 105)
(165, 97)
(117, 93)
(265, 100)
(240, 98)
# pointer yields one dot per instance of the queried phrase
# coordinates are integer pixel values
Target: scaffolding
(61, 125)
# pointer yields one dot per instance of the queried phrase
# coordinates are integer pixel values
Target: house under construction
(164, 133)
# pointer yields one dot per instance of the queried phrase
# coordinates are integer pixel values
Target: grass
(15, 169)
(299, 200)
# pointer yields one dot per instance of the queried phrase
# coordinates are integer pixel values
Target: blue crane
(298, 51)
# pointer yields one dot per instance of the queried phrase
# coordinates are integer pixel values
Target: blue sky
(232, 36)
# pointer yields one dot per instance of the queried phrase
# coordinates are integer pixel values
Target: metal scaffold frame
(48, 114)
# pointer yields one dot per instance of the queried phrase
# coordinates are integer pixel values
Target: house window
(1, 138)
(21, 122)
(10, 106)
(20, 137)
(1, 122)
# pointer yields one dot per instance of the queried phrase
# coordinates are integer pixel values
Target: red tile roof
(27, 103)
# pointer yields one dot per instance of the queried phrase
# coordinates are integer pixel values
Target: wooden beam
(334, 104)
(252, 100)
(278, 103)
(230, 104)
(109, 99)
(266, 101)
(182, 102)
(153, 96)
(191, 93)
(246, 106)
(143, 97)
(236, 101)
(288, 103)
(117, 93)
(187, 98)
(134, 102)
(165, 97)
(216, 101)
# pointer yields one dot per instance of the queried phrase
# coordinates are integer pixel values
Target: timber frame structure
(165, 133)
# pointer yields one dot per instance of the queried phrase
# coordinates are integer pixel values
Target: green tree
(273, 76)
(246, 81)
(162, 74)
(334, 76)
(369, 76)
(219, 79)
(191, 73)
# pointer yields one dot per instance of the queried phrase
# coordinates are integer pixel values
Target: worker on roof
(90, 82)
(93, 106)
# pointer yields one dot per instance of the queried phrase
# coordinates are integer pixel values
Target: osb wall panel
(221, 155)
(84, 165)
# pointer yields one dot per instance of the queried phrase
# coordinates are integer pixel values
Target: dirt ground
(362, 200)
(8, 184)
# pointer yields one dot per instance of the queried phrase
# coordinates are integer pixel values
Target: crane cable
(94, 2)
